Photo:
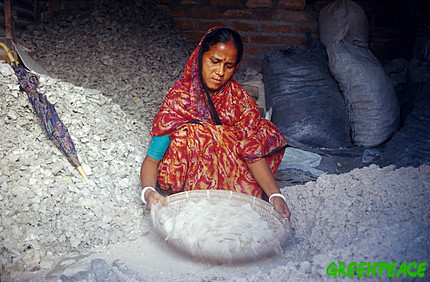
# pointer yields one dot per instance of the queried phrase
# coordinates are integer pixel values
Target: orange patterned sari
(204, 155)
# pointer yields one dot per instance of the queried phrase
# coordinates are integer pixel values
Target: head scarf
(191, 87)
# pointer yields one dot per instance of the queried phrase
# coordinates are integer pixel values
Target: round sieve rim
(226, 194)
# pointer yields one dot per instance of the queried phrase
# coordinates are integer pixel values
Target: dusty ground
(367, 215)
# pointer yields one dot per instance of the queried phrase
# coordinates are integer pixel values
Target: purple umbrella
(48, 115)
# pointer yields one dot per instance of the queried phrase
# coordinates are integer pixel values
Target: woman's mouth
(216, 80)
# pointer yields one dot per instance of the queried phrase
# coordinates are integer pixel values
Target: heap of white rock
(47, 208)
(129, 50)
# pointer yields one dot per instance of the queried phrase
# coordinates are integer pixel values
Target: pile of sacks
(336, 94)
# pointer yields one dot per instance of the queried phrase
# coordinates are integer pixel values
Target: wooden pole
(8, 20)
(36, 11)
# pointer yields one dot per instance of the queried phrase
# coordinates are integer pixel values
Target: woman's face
(218, 65)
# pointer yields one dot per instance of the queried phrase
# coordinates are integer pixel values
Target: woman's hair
(223, 35)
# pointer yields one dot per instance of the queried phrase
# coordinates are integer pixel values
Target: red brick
(205, 25)
(291, 16)
(292, 4)
(237, 14)
(314, 35)
(244, 26)
(163, 1)
(185, 24)
(53, 6)
(251, 49)
(303, 28)
(194, 35)
(259, 4)
(244, 37)
(302, 39)
(319, 5)
(203, 12)
(262, 14)
(254, 62)
(293, 40)
(280, 27)
(190, 2)
(263, 38)
(264, 48)
(227, 3)
(179, 12)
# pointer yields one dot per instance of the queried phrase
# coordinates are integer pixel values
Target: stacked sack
(307, 104)
(370, 97)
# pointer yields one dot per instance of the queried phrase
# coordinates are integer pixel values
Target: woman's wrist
(142, 196)
(276, 195)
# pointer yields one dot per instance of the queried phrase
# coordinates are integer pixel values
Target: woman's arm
(148, 177)
(262, 173)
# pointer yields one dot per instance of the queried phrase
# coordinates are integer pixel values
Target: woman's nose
(220, 70)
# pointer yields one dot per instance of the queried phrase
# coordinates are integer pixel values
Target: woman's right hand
(148, 177)
(153, 197)
(281, 206)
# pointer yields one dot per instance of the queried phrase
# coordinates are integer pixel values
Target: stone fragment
(87, 276)
(103, 271)
(122, 267)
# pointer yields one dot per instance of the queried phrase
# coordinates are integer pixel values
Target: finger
(287, 213)
(283, 209)
(284, 213)
(150, 203)
(161, 198)
(151, 199)
(154, 197)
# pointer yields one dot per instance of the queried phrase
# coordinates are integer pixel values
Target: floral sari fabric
(204, 155)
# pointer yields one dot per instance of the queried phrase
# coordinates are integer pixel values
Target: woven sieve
(278, 225)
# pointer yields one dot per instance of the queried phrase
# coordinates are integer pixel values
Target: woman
(208, 134)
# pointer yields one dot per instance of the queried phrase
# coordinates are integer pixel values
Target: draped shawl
(206, 155)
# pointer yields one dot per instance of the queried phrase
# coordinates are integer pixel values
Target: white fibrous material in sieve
(219, 231)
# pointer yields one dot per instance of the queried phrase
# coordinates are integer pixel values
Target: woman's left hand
(281, 206)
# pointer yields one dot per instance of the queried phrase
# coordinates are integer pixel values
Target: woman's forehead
(224, 51)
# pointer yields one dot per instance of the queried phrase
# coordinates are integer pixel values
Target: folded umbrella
(46, 111)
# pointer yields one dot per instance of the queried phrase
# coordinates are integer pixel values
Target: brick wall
(264, 24)
(392, 28)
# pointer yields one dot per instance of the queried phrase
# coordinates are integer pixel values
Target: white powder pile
(218, 231)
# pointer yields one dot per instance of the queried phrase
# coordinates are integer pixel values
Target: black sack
(307, 104)
(410, 146)
(372, 104)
